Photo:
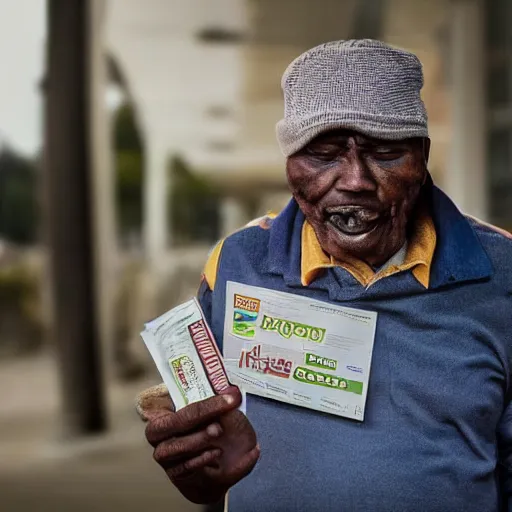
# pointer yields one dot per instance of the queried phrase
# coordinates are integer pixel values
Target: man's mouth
(353, 220)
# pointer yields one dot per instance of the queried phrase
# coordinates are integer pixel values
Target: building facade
(206, 78)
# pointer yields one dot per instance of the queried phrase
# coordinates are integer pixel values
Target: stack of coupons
(276, 345)
(184, 350)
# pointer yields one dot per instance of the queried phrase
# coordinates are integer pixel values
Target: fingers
(153, 402)
(168, 452)
(232, 390)
(240, 470)
(194, 464)
(162, 427)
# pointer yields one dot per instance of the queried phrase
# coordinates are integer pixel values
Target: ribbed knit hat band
(362, 85)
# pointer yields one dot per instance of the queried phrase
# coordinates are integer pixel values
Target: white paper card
(184, 350)
(298, 350)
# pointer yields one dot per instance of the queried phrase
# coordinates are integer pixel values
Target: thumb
(154, 402)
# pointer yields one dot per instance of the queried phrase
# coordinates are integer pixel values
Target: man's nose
(353, 174)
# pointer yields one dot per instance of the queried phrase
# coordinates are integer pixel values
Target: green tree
(19, 208)
(129, 163)
(194, 205)
(193, 213)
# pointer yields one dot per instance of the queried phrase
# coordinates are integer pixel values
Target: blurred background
(133, 135)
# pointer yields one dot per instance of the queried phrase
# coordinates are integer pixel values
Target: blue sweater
(437, 434)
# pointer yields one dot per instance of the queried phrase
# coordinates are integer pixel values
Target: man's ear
(426, 149)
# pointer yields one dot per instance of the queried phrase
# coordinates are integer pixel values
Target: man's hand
(205, 448)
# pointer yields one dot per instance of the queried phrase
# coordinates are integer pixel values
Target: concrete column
(465, 178)
(234, 215)
(102, 179)
(156, 187)
(70, 218)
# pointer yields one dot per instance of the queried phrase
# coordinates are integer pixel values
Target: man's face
(358, 192)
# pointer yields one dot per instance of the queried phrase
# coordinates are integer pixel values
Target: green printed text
(321, 362)
(287, 329)
(329, 381)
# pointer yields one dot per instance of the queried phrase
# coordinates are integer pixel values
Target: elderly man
(366, 228)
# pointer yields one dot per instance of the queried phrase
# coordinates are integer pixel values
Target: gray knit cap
(362, 85)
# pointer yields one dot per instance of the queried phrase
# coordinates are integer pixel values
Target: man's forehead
(341, 136)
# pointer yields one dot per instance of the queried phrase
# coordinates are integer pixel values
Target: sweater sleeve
(504, 435)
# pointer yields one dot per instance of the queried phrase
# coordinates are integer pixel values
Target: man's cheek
(299, 192)
(400, 192)
(314, 188)
(304, 189)
(309, 210)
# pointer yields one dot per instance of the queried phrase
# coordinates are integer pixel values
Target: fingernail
(214, 430)
(230, 400)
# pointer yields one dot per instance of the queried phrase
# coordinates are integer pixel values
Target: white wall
(22, 38)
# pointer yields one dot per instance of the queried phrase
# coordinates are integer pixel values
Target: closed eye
(324, 152)
(387, 155)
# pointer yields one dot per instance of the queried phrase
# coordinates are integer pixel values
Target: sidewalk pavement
(38, 472)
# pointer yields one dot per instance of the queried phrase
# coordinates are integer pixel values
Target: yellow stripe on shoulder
(210, 269)
(212, 263)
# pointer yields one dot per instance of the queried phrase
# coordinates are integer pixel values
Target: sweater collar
(458, 255)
